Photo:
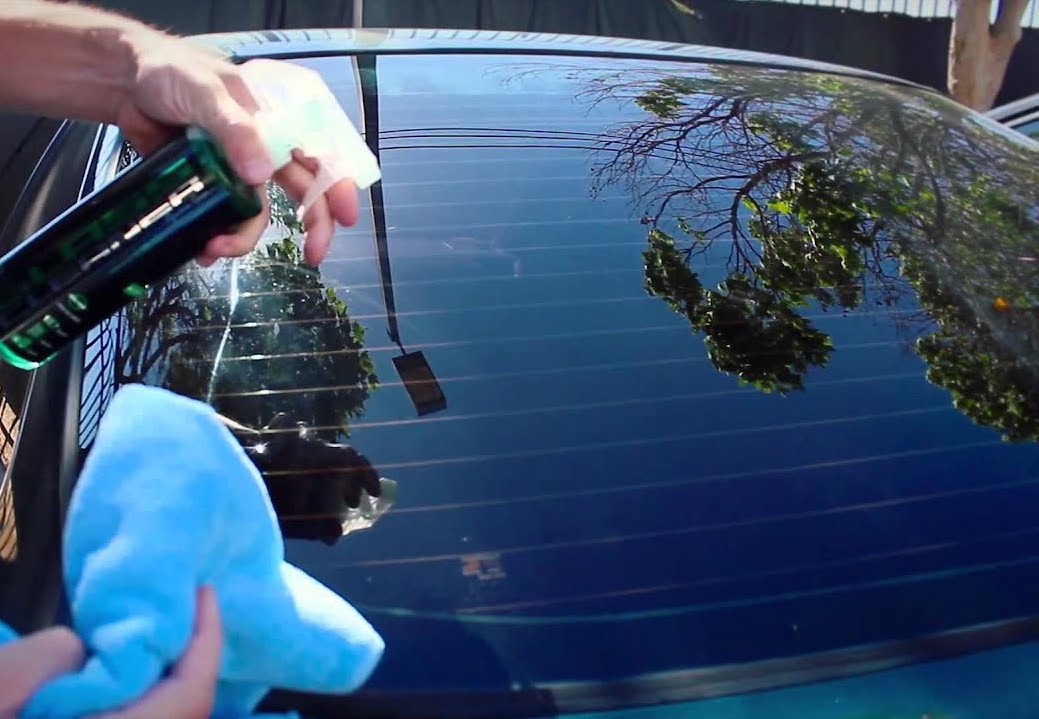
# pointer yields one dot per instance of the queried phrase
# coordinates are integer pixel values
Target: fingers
(201, 662)
(318, 221)
(180, 85)
(233, 128)
(29, 662)
(190, 689)
(232, 78)
(341, 197)
(242, 241)
(342, 202)
(339, 203)
(188, 88)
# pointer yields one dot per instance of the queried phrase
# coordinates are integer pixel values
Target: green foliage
(288, 332)
(805, 242)
(812, 245)
(784, 134)
(754, 334)
(984, 358)
(749, 331)
(668, 276)
(305, 320)
(838, 180)
(812, 238)
(991, 386)
(665, 100)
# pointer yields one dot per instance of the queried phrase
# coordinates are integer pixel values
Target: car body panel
(388, 41)
(619, 506)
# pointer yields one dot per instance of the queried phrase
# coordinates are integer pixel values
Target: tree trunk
(979, 53)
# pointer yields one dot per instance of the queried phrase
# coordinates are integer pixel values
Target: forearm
(64, 60)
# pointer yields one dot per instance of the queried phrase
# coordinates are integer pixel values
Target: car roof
(385, 41)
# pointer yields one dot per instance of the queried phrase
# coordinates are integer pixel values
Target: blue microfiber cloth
(167, 501)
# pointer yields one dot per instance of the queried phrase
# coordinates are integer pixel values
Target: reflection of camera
(320, 490)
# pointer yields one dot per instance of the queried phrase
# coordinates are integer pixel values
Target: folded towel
(167, 501)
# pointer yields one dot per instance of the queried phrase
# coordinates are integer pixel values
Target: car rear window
(732, 363)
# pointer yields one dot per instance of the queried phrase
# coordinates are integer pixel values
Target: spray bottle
(157, 215)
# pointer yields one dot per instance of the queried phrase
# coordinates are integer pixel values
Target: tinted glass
(737, 364)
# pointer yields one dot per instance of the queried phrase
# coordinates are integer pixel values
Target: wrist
(116, 73)
(125, 47)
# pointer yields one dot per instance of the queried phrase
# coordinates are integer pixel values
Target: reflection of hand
(187, 693)
(311, 481)
(176, 83)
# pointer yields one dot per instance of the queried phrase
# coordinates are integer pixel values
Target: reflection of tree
(820, 192)
(988, 382)
(720, 169)
(984, 343)
(162, 322)
(749, 330)
(296, 331)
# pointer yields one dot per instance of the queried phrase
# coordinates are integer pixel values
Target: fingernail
(257, 170)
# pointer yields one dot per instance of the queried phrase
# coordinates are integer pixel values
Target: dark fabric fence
(910, 47)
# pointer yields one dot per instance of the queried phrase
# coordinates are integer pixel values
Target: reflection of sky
(637, 497)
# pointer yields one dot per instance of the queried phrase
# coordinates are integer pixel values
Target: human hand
(190, 688)
(33, 660)
(176, 83)
(187, 693)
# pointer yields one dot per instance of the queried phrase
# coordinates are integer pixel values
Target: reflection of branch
(938, 232)
(702, 118)
(691, 189)
(163, 302)
(632, 147)
(160, 352)
(764, 172)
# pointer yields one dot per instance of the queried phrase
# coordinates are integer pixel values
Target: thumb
(29, 662)
(238, 134)
(189, 692)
